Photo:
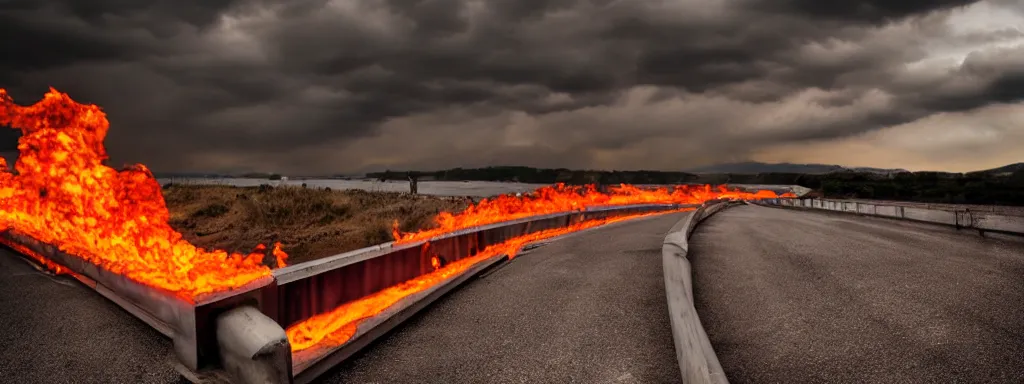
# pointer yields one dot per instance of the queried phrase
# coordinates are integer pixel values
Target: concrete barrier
(965, 218)
(885, 210)
(997, 223)
(697, 360)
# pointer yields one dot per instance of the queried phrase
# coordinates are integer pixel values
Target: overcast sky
(351, 85)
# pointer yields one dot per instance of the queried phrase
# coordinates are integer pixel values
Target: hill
(1004, 170)
(933, 187)
(753, 167)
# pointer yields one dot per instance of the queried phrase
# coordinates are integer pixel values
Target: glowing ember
(561, 198)
(338, 326)
(64, 195)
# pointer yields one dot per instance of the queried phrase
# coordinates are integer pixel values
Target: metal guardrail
(959, 218)
(307, 289)
(188, 324)
(295, 293)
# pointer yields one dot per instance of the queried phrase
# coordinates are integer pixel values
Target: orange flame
(562, 198)
(46, 263)
(336, 327)
(279, 256)
(64, 195)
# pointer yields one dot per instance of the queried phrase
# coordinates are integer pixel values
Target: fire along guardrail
(956, 217)
(238, 335)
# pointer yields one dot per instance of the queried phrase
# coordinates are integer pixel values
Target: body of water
(436, 188)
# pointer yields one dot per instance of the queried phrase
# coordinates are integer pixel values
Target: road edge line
(697, 360)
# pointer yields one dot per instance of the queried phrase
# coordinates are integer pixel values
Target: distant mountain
(876, 170)
(1006, 169)
(752, 167)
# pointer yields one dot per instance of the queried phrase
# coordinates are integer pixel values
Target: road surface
(589, 308)
(55, 330)
(792, 296)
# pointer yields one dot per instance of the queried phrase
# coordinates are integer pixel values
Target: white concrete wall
(929, 215)
(962, 218)
(867, 209)
(993, 222)
(887, 210)
(849, 206)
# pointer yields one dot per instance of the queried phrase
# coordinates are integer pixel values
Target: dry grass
(310, 223)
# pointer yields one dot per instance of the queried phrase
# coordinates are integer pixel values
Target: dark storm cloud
(858, 10)
(41, 34)
(9, 139)
(210, 84)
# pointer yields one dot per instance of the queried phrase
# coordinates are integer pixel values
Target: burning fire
(562, 198)
(64, 195)
(338, 326)
(46, 263)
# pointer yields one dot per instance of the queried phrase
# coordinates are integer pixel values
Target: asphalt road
(589, 308)
(802, 297)
(55, 330)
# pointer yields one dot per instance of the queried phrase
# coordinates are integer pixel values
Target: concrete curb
(697, 360)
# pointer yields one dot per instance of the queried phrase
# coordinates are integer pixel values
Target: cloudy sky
(311, 86)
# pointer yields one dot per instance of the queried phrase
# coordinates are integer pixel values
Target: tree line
(987, 187)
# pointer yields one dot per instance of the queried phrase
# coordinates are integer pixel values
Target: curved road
(786, 296)
(55, 330)
(588, 308)
(792, 296)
